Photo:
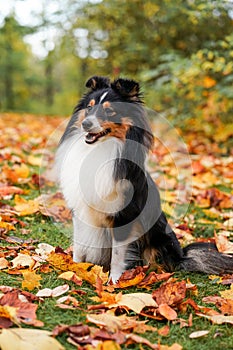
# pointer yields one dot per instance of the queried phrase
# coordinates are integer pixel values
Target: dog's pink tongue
(90, 138)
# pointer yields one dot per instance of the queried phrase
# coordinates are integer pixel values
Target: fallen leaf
(153, 277)
(119, 323)
(44, 249)
(198, 334)
(170, 293)
(3, 263)
(30, 339)
(167, 312)
(55, 292)
(25, 311)
(228, 223)
(26, 207)
(137, 301)
(53, 205)
(71, 276)
(164, 331)
(174, 346)
(140, 340)
(218, 319)
(6, 226)
(8, 190)
(8, 313)
(67, 302)
(223, 244)
(34, 160)
(23, 260)
(228, 294)
(85, 271)
(131, 278)
(31, 280)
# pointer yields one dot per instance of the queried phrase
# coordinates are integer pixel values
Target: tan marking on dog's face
(118, 130)
(106, 104)
(91, 103)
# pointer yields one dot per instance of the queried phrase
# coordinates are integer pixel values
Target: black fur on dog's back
(143, 212)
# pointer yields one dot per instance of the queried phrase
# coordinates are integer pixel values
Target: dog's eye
(109, 111)
(89, 108)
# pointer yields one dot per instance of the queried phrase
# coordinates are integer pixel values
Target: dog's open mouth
(92, 137)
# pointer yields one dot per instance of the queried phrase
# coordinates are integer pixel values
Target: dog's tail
(204, 257)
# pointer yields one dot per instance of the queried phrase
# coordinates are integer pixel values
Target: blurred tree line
(181, 51)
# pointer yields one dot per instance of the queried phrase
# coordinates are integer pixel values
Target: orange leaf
(208, 82)
(6, 226)
(71, 276)
(6, 190)
(170, 293)
(167, 312)
(64, 262)
(153, 277)
(164, 331)
(3, 263)
(130, 278)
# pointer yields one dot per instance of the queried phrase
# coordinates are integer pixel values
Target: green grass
(44, 230)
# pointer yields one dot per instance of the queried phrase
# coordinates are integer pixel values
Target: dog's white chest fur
(86, 177)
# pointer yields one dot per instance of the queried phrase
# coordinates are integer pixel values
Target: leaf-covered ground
(47, 301)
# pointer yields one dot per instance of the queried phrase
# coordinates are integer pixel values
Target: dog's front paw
(113, 278)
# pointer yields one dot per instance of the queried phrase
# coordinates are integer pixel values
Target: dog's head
(111, 109)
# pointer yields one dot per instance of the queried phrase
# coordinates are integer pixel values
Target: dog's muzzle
(94, 129)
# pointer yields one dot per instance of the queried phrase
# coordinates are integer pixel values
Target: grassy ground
(220, 336)
(43, 229)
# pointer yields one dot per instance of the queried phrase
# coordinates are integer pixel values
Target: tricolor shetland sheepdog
(117, 217)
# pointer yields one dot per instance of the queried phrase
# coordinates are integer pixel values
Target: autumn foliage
(146, 300)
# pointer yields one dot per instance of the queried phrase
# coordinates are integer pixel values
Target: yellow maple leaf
(24, 207)
(31, 280)
(85, 271)
(227, 294)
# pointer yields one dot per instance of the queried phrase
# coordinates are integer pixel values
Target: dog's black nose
(87, 124)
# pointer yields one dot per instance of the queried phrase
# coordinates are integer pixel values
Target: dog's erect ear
(97, 83)
(126, 87)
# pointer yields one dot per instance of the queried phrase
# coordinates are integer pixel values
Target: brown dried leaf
(131, 278)
(119, 323)
(3, 263)
(223, 244)
(170, 293)
(218, 319)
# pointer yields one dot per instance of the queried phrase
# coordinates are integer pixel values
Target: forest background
(181, 52)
